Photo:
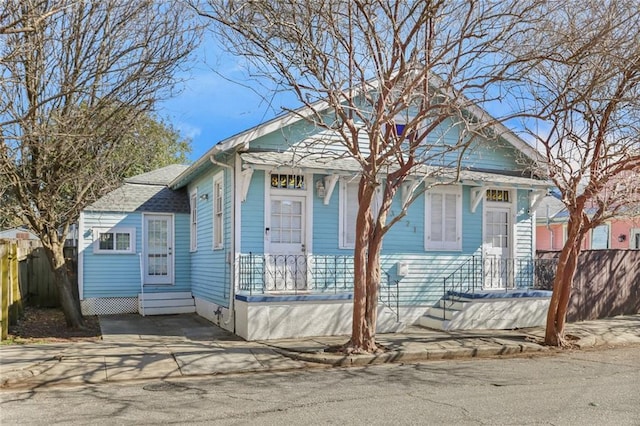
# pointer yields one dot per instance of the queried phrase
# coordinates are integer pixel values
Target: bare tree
(75, 76)
(390, 80)
(586, 93)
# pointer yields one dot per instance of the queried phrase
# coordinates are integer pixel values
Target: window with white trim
(114, 241)
(600, 237)
(193, 230)
(349, 210)
(443, 218)
(218, 211)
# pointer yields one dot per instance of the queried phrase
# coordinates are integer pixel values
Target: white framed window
(114, 240)
(349, 211)
(218, 211)
(634, 239)
(193, 221)
(600, 237)
(443, 218)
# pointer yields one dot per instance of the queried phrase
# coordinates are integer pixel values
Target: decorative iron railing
(304, 274)
(260, 273)
(505, 274)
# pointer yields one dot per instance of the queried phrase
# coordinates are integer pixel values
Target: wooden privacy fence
(10, 293)
(606, 284)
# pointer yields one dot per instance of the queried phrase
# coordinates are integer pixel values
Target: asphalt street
(588, 387)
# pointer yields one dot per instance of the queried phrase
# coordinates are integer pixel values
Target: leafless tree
(75, 76)
(586, 94)
(389, 80)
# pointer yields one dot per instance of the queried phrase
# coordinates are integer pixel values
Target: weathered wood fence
(10, 294)
(606, 284)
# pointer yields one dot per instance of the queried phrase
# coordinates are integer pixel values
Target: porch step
(488, 310)
(166, 303)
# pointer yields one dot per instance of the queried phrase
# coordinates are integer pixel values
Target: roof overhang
(323, 163)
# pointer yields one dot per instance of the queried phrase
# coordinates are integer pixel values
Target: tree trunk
(361, 333)
(567, 263)
(373, 285)
(70, 305)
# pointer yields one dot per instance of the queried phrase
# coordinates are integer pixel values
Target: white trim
(218, 178)
(173, 251)
(477, 195)
(512, 205)
(535, 198)
(193, 233)
(306, 193)
(114, 230)
(329, 185)
(443, 245)
(80, 247)
(342, 214)
(245, 182)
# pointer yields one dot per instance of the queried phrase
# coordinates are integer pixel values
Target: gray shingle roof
(147, 192)
(161, 176)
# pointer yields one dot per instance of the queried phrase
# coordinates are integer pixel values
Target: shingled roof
(147, 192)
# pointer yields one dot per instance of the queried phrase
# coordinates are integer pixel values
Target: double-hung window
(443, 218)
(193, 204)
(218, 211)
(114, 240)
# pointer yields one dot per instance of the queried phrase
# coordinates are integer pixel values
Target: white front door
(286, 261)
(496, 248)
(158, 249)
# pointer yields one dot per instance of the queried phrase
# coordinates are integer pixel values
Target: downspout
(550, 230)
(233, 242)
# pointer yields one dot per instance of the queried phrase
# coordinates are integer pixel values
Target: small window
(498, 195)
(218, 211)
(114, 240)
(193, 235)
(284, 181)
(443, 218)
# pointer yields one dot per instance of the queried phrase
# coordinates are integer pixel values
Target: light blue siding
(118, 275)
(210, 270)
(252, 216)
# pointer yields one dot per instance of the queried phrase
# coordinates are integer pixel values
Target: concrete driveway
(182, 327)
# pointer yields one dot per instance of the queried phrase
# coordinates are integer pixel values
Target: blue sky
(218, 100)
(212, 106)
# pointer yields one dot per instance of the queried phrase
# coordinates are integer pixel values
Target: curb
(396, 356)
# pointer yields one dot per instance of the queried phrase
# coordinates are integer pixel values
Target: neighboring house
(18, 233)
(622, 233)
(257, 236)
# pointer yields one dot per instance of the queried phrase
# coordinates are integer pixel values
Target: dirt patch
(46, 325)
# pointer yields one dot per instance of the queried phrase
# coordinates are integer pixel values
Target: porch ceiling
(335, 163)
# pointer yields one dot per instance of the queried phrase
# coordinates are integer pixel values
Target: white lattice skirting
(109, 306)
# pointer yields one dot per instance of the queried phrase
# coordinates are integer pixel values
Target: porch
(305, 295)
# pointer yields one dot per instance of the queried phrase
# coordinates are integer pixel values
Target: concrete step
(170, 310)
(432, 322)
(166, 303)
(454, 304)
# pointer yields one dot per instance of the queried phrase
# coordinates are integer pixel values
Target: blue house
(257, 236)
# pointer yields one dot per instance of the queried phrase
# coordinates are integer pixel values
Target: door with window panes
(158, 249)
(497, 265)
(286, 260)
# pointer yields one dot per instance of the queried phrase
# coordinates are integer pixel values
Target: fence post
(4, 294)
(16, 308)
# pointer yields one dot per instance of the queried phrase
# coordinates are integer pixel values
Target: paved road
(583, 387)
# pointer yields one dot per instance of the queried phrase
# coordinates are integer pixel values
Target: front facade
(259, 234)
